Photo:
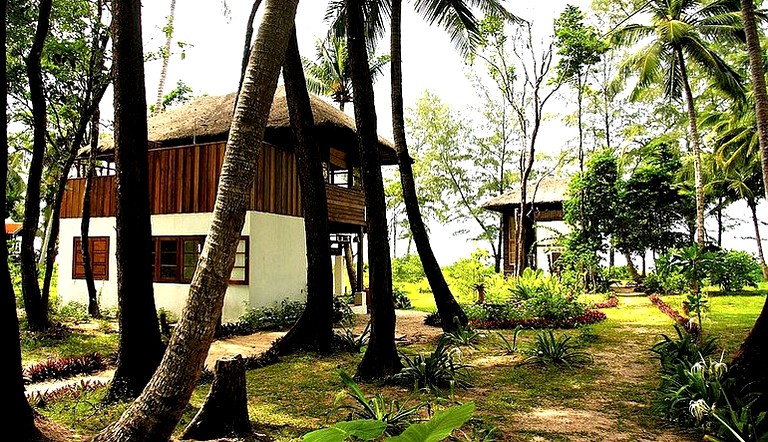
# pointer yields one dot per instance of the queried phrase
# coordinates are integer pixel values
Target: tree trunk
(350, 261)
(636, 278)
(760, 257)
(314, 329)
(447, 306)
(701, 235)
(93, 302)
(17, 410)
(225, 410)
(166, 57)
(749, 362)
(37, 312)
(140, 347)
(156, 412)
(380, 358)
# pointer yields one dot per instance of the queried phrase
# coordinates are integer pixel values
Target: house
(12, 233)
(543, 226)
(186, 150)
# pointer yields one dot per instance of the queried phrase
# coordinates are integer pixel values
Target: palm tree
(461, 25)
(330, 75)
(748, 362)
(156, 412)
(381, 358)
(678, 34)
(165, 54)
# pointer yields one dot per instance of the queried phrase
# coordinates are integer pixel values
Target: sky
(213, 56)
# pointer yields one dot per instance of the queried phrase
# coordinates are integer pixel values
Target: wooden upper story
(187, 151)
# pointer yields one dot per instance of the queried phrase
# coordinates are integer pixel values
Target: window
(98, 248)
(174, 259)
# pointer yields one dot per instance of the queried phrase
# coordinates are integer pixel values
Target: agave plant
(550, 350)
(437, 371)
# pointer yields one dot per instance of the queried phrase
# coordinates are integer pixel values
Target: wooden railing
(346, 206)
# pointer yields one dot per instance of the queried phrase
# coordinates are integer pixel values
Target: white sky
(212, 66)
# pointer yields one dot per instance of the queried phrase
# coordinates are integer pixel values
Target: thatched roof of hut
(208, 119)
(549, 190)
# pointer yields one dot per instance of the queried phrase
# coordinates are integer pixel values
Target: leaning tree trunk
(85, 224)
(156, 412)
(140, 346)
(37, 312)
(17, 410)
(449, 310)
(380, 358)
(701, 235)
(753, 208)
(166, 55)
(350, 262)
(314, 329)
(749, 363)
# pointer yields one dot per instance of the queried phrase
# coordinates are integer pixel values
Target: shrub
(733, 270)
(433, 319)
(64, 368)
(685, 349)
(347, 341)
(407, 269)
(74, 311)
(463, 335)
(342, 312)
(437, 371)
(401, 299)
(549, 350)
(395, 415)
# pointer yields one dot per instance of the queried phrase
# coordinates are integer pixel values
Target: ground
(610, 399)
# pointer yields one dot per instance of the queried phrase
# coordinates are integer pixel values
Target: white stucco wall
(277, 261)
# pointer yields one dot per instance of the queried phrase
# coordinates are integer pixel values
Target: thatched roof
(208, 119)
(549, 190)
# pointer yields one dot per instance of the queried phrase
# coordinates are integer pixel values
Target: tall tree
(165, 55)
(140, 347)
(314, 328)
(85, 223)
(37, 311)
(18, 413)
(749, 360)
(678, 33)
(380, 358)
(156, 412)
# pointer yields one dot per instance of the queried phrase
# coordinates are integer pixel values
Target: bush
(407, 269)
(733, 270)
(74, 311)
(64, 368)
(401, 299)
(437, 371)
(549, 350)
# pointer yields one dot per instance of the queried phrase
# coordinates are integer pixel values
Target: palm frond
(455, 17)
(724, 78)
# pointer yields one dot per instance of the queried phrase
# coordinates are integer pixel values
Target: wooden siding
(185, 179)
(346, 206)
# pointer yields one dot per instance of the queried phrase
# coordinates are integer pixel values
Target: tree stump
(225, 410)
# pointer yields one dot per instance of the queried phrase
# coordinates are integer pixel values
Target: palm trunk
(447, 306)
(380, 359)
(314, 329)
(37, 312)
(753, 208)
(17, 412)
(166, 57)
(749, 363)
(701, 235)
(140, 346)
(156, 412)
(93, 303)
(349, 260)
(632, 269)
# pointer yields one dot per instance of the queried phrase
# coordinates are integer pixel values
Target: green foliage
(74, 311)
(276, 317)
(401, 299)
(436, 429)
(347, 340)
(578, 45)
(463, 335)
(466, 273)
(733, 270)
(509, 347)
(551, 351)
(437, 371)
(393, 414)
(407, 268)
(684, 349)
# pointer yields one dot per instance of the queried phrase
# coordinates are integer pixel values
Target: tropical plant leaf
(363, 429)
(439, 427)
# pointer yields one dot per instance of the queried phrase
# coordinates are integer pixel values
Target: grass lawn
(608, 398)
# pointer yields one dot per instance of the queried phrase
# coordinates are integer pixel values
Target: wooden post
(225, 410)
